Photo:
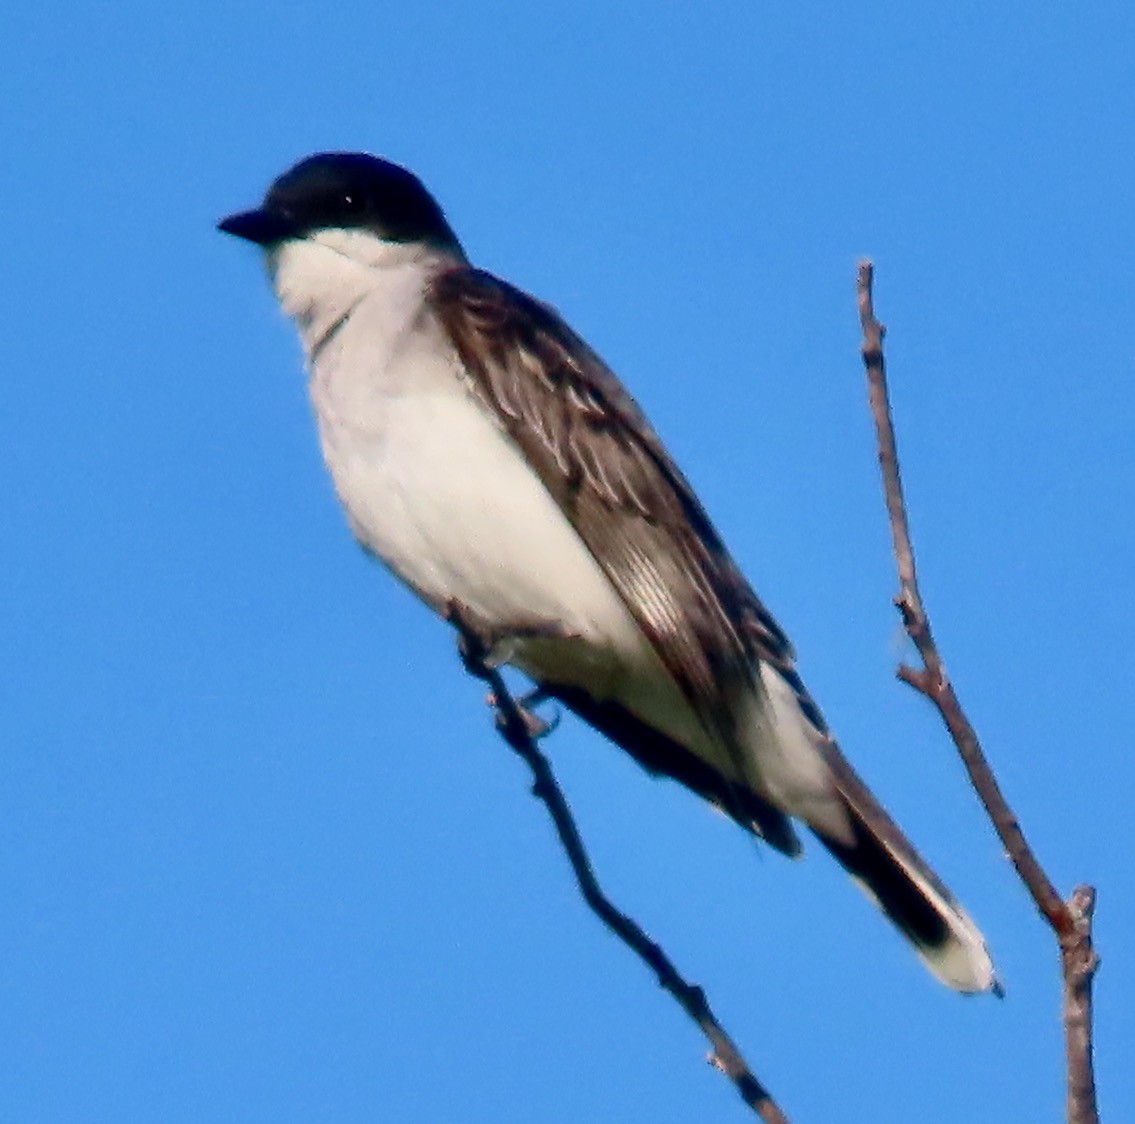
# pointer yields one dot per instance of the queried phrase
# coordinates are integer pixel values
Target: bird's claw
(534, 726)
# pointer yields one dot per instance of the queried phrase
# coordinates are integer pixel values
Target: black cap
(351, 190)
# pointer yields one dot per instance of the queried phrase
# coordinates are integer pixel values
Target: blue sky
(261, 856)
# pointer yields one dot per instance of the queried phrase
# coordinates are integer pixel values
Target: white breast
(431, 484)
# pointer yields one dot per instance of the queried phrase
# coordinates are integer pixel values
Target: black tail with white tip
(884, 863)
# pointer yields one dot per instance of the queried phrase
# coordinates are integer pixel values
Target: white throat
(321, 278)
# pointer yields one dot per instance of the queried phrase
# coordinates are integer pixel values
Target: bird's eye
(353, 203)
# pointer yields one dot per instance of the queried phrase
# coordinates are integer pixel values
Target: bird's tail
(885, 864)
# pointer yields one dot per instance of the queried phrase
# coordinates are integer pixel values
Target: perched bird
(487, 456)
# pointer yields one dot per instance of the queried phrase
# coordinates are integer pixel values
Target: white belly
(435, 489)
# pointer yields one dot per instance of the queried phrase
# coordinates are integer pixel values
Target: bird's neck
(320, 279)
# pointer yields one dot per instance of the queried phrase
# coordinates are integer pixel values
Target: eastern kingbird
(487, 456)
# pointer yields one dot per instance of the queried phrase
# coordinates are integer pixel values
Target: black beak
(265, 228)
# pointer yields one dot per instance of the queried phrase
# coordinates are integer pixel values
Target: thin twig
(1071, 921)
(519, 728)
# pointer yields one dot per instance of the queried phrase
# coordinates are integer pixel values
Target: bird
(489, 459)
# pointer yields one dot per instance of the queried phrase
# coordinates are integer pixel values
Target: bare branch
(520, 729)
(1071, 921)
(1079, 961)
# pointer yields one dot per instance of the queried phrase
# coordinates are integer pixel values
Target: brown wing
(598, 456)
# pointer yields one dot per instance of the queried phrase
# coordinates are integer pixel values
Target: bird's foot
(482, 651)
(536, 726)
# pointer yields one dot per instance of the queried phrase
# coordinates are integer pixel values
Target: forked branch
(1070, 920)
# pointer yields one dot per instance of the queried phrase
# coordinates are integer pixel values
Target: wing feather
(632, 507)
